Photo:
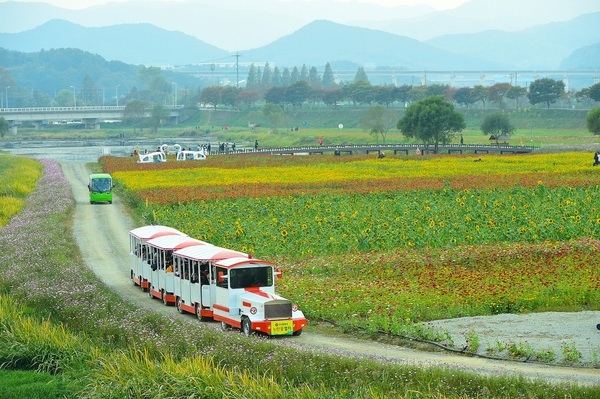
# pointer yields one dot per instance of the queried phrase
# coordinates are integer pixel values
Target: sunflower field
(386, 243)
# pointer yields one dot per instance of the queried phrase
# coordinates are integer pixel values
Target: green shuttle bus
(100, 186)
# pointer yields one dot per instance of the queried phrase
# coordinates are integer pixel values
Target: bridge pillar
(13, 130)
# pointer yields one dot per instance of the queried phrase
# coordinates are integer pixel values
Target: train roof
(153, 231)
(174, 242)
(209, 252)
(231, 263)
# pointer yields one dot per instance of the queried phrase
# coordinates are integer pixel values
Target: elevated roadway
(90, 117)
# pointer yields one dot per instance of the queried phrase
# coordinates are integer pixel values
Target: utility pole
(237, 69)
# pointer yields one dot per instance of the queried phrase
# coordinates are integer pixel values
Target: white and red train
(212, 282)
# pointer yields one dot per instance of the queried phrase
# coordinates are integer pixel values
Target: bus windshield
(101, 185)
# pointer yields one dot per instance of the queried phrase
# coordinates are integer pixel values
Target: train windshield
(251, 277)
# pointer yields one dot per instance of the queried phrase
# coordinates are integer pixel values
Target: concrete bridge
(90, 117)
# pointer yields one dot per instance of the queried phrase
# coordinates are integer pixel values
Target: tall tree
(595, 92)
(276, 81)
(294, 77)
(89, 92)
(480, 93)
(498, 92)
(328, 79)
(276, 95)
(252, 80)
(158, 117)
(274, 115)
(229, 95)
(267, 77)
(314, 80)
(496, 125)
(211, 96)
(432, 120)
(248, 98)
(401, 93)
(4, 127)
(516, 92)
(463, 96)
(285, 77)
(333, 97)
(545, 91)
(592, 120)
(135, 113)
(297, 93)
(361, 76)
(378, 120)
(304, 73)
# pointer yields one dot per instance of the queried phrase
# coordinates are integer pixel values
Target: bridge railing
(73, 109)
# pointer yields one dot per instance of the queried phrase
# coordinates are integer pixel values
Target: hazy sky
(438, 4)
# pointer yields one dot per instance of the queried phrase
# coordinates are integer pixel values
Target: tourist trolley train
(212, 282)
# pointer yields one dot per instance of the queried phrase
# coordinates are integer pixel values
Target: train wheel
(164, 298)
(179, 309)
(198, 312)
(296, 333)
(598, 326)
(150, 292)
(224, 326)
(246, 327)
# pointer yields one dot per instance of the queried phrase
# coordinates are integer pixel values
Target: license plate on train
(282, 327)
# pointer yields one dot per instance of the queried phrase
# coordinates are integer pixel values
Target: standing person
(596, 158)
(320, 141)
(255, 145)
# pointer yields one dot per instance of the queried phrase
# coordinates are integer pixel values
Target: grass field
(109, 350)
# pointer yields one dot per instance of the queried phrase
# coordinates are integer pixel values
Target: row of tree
(542, 91)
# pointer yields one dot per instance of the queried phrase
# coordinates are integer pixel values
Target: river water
(88, 151)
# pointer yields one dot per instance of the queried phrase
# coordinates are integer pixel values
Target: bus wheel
(246, 327)
(224, 326)
(296, 333)
(179, 309)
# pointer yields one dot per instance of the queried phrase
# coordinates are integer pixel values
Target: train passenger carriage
(162, 268)
(138, 252)
(193, 293)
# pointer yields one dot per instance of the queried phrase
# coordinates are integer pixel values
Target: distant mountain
(229, 24)
(319, 42)
(324, 41)
(585, 58)
(131, 43)
(484, 15)
(236, 25)
(542, 47)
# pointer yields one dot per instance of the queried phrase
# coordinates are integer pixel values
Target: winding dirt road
(101, 232)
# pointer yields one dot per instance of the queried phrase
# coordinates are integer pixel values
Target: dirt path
(102, 234)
